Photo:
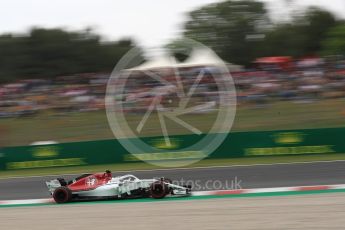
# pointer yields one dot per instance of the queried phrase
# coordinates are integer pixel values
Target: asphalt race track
(258, 176)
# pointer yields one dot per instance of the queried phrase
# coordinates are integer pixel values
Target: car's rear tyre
(159, 190)
(62, 195)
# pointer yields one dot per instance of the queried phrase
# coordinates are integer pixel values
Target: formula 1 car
(104, 186)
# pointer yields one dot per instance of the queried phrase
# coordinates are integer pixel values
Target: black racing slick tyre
(159, 190)
(62, 195)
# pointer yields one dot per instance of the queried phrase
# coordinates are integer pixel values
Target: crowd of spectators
(301, 82)
(83, 92)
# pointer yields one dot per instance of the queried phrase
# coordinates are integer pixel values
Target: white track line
(29, 201)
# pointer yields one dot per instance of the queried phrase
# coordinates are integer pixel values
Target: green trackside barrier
(2, 160)
(290, 142)
(81, 153)
(64, 154)
(237, 144)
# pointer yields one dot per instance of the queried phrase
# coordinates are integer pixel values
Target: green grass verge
(94, 125)
(145, 166)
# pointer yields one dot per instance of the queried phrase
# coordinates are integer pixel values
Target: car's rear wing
(52, 185)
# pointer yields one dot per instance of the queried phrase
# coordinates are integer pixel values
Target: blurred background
(286, 58)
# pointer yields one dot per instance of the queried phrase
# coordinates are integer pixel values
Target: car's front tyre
(159, 190)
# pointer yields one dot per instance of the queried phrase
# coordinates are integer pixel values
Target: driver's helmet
(108, 173)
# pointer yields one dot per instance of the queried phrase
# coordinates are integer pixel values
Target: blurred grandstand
(272, 79)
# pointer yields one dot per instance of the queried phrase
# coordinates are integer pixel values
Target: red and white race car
(104, 186)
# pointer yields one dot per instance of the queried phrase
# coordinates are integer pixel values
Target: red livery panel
(90, 182)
